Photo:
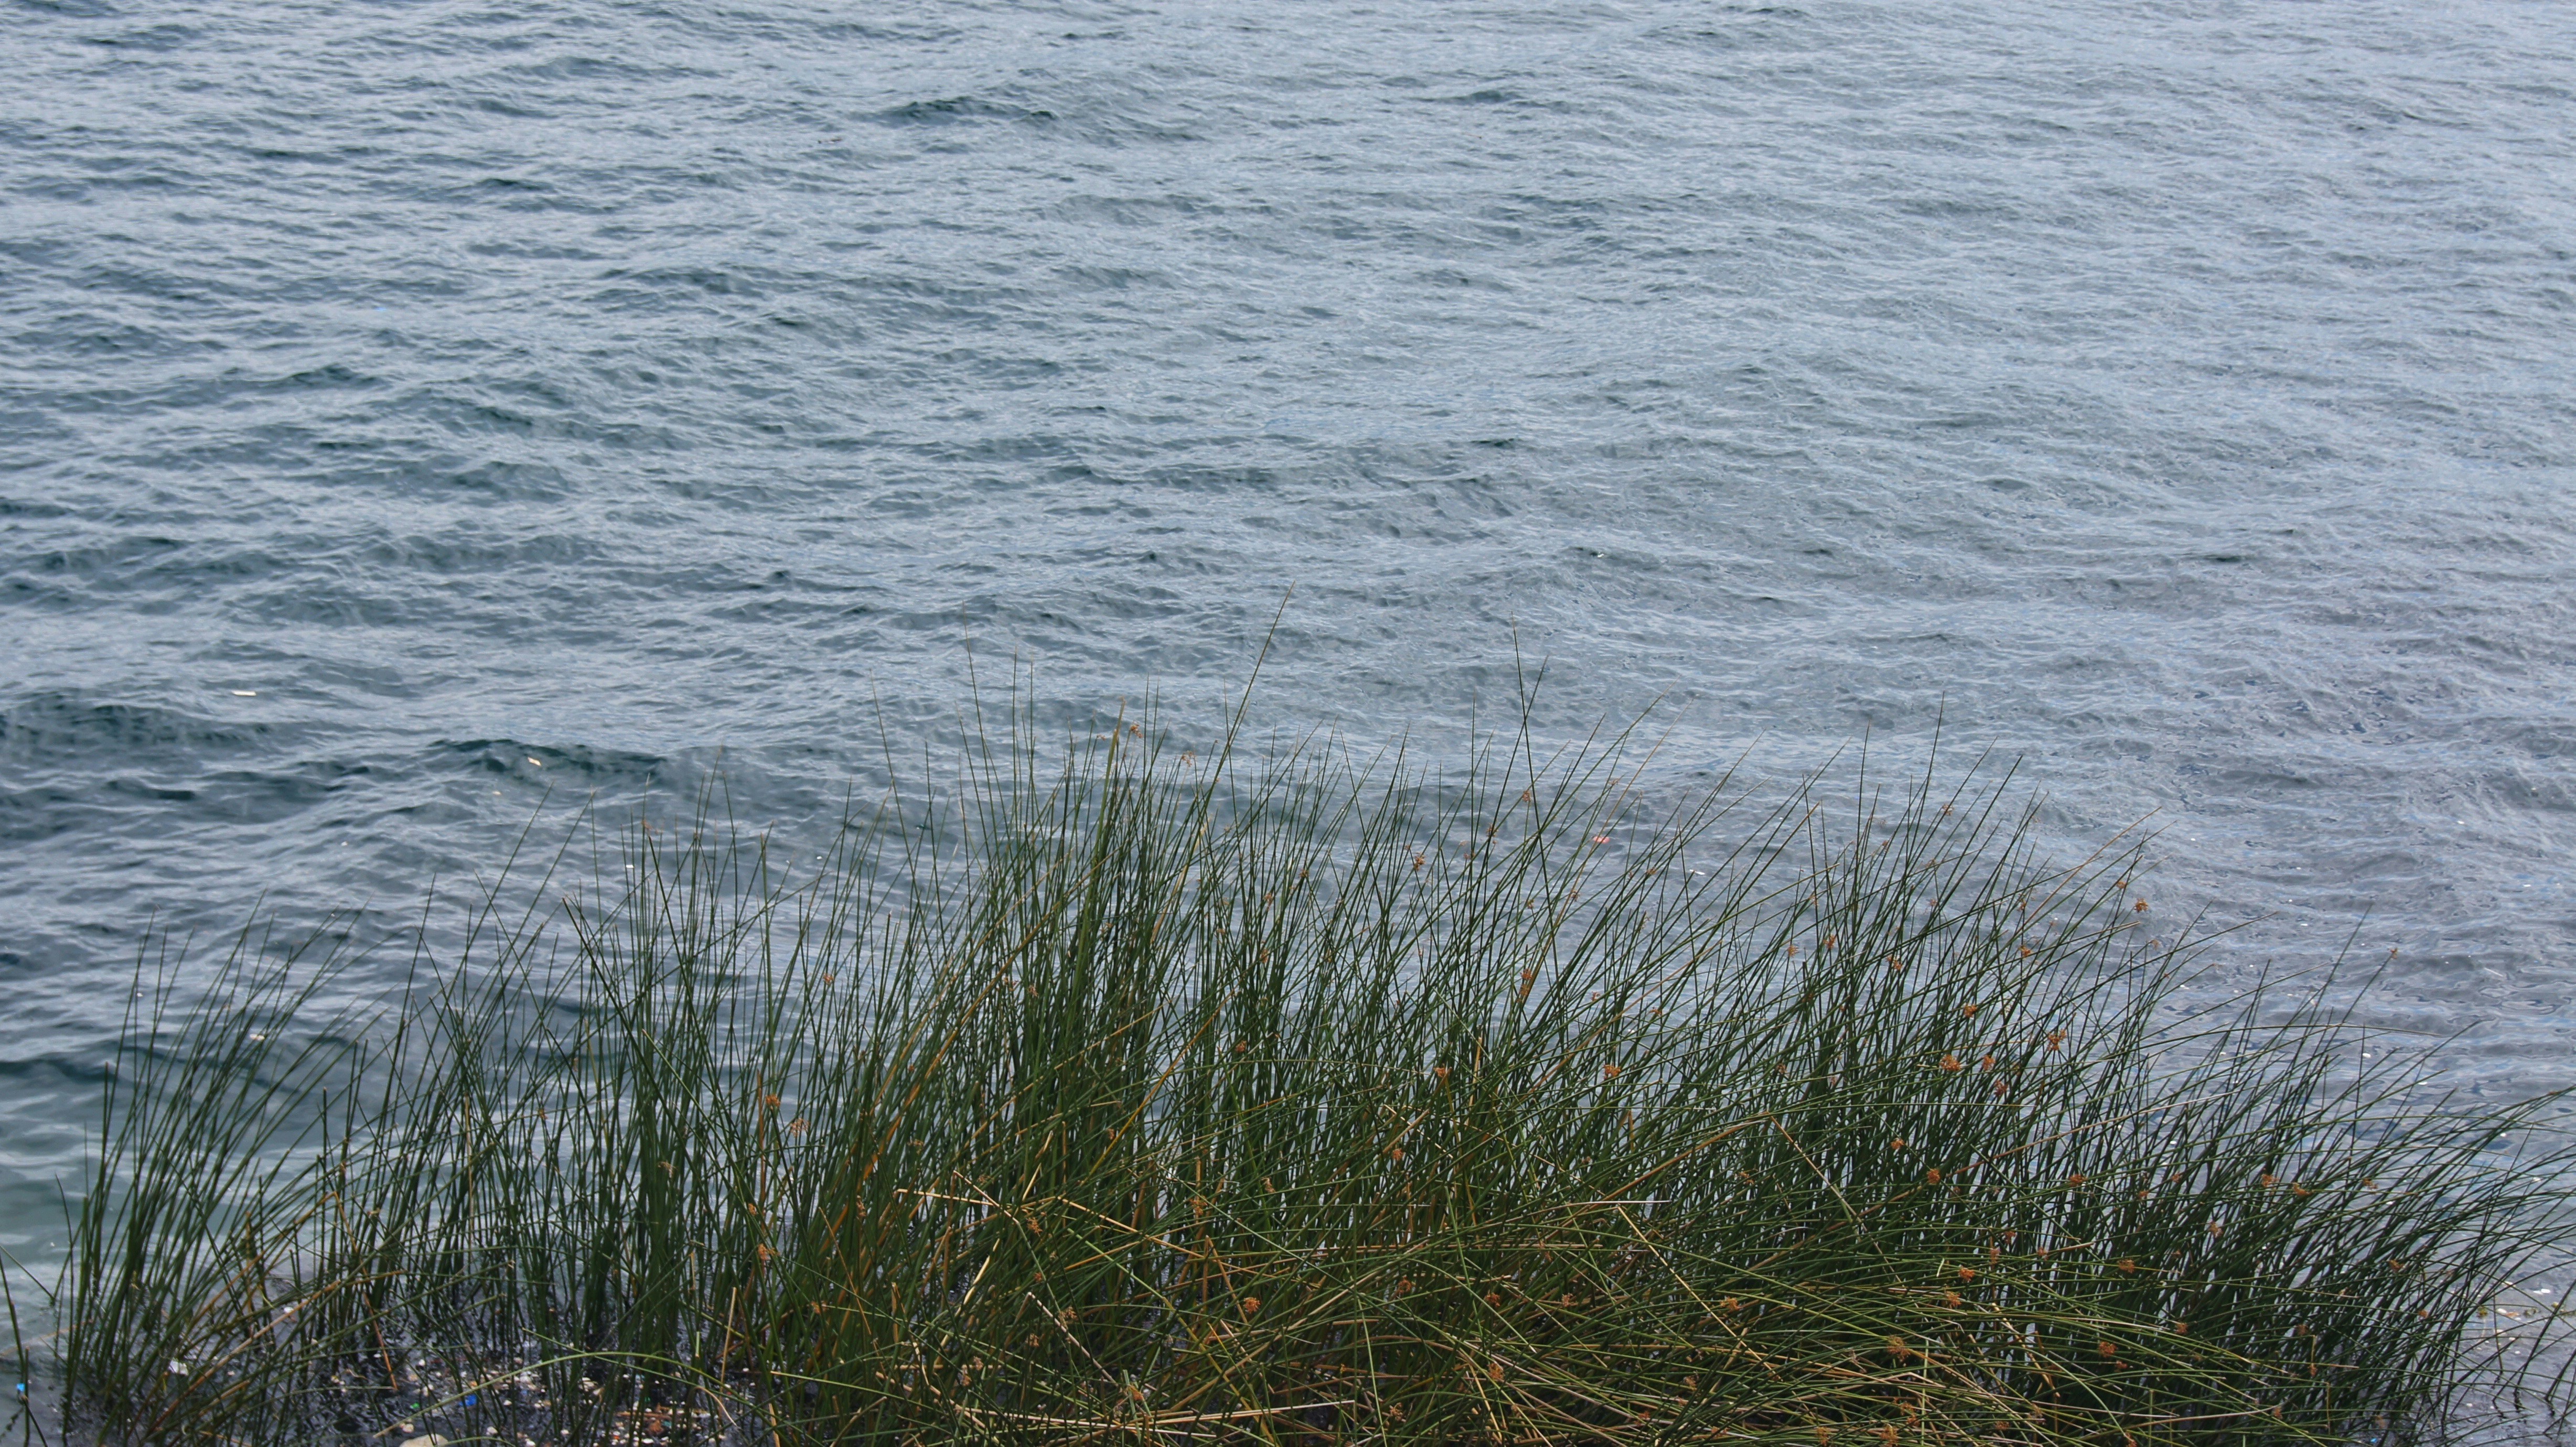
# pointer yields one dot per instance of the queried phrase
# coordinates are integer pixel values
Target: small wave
(955, 109)
(60, 728)
(590, 765)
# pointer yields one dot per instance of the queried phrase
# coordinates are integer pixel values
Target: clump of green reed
(1294, 1100)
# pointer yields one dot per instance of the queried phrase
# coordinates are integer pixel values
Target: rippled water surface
(408, 408)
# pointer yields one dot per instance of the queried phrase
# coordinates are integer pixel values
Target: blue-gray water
(405, 408)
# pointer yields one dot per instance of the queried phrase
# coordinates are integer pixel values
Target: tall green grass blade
(1126, 1094)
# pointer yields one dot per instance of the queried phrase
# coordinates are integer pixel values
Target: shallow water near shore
(412, 415)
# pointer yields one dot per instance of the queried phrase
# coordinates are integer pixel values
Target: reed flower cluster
(1125, 1097)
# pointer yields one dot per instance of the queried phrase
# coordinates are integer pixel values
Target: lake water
(407, 409)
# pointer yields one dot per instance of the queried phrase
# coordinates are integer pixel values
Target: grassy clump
(1296, 1100)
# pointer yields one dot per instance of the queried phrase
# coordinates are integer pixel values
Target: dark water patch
(56, 729)
(952, 110)
(525, 761)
